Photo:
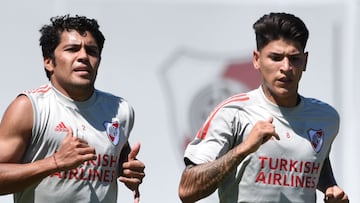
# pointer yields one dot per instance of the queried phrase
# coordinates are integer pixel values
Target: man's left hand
(133, 172)
(335, 194)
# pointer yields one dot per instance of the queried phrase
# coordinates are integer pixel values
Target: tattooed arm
(199, 181)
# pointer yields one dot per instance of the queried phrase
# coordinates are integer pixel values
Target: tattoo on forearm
(204, 179)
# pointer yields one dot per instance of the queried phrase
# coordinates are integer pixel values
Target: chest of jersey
(294, 161)
(103, 125)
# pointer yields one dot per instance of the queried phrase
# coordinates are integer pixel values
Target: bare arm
(201, 180)
(15, 133)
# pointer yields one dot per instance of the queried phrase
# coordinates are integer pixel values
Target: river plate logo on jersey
(316, 138)
(113, 130)
(194, 82)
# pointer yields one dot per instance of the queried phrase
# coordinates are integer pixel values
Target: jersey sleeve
(216, 137)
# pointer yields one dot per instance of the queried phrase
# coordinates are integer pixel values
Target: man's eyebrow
(282, 54)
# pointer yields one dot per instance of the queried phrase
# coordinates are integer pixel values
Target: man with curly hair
(67, 141)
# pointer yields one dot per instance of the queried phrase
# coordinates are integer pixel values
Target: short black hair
(274, 26)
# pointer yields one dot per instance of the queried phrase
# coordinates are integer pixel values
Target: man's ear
(306, 54)
(48, 64)
(256, 58)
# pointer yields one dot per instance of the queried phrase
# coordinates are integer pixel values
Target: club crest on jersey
(113, 130)
(316, 138)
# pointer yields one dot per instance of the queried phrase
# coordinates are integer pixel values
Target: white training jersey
(285, 170)
(104, 121)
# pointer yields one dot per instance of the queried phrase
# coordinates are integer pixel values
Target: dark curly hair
(50, 34)
(276, 26)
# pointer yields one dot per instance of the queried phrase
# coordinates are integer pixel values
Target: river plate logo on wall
(195, 82)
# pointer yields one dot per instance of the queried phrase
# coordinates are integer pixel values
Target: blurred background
(174, 60)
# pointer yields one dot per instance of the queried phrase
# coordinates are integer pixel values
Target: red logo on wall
(195, 82)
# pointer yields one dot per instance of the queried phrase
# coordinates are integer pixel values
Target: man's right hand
(73, 152)
(260, 133)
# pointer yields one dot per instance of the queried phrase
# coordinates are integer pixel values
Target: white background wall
(142, 35)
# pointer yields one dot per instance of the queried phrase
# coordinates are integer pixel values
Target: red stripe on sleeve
(204, 129)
